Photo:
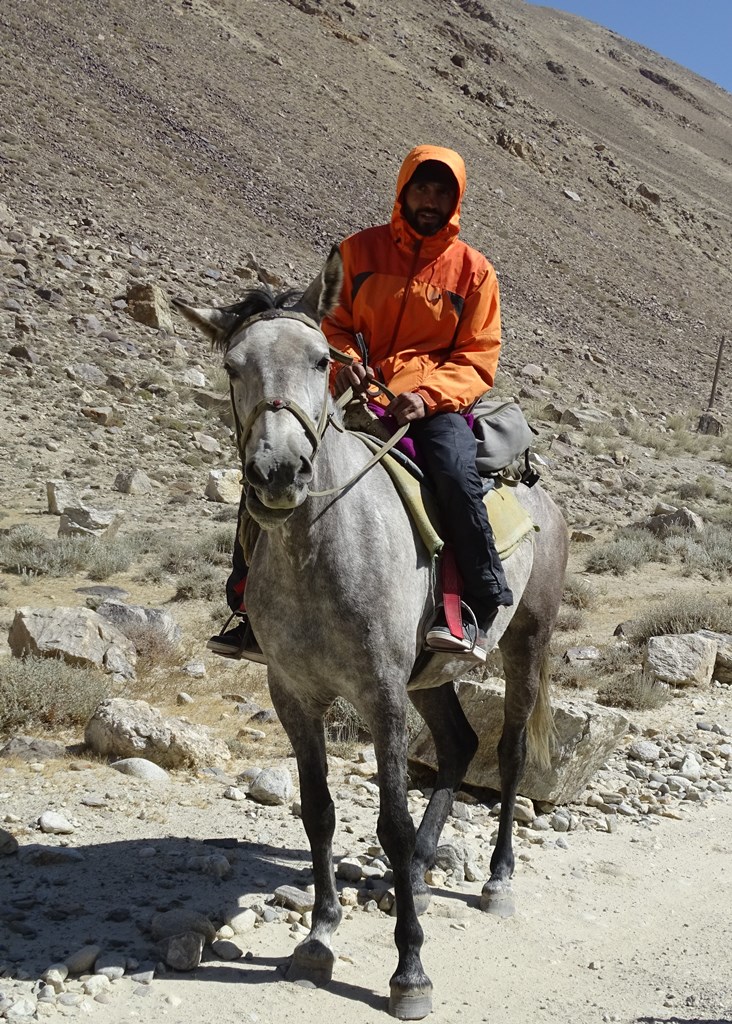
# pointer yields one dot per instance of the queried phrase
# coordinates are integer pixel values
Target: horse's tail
(541, 730)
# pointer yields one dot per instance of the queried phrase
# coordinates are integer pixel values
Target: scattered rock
(132, 728)
(148, 304)
(272, 786)
(224, 485)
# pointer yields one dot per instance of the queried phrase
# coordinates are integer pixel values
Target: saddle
(509, 520)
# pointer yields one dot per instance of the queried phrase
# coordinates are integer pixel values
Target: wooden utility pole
(709, 421)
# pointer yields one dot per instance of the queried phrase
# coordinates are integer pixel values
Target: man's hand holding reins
(407, 407)
(356, 376)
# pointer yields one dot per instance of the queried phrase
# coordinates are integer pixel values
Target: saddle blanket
(508, 518)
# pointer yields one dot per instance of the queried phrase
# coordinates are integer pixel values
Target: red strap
(452, 589)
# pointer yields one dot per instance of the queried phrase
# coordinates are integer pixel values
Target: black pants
(448, 448)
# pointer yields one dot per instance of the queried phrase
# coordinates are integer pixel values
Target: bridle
(315, 431)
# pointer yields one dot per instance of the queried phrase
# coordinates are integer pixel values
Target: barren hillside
(206, 131)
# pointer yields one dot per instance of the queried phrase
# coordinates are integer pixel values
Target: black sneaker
(238, 643)
(440, 640)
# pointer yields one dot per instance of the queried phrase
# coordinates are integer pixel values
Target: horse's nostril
(306, 469)
(254, 474)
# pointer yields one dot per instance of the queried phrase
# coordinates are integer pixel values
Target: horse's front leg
(313, 959)
(410, 996)
(455, 744)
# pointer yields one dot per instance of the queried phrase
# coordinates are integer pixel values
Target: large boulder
(132, 728)
(586, 735)
(133, 620)
(723, 664)
(77, 635)
(681, 659)
(664, 523)
(83, 521)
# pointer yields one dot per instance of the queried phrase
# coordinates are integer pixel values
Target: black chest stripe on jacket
(358, 280)
(458, 302)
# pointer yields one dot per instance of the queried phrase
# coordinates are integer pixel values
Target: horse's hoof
(410, 1003)
(311, 964)
(497, 899)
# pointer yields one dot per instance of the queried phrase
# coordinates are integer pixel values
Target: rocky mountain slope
(600, 173)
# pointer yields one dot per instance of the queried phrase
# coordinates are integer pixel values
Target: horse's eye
(323, 363)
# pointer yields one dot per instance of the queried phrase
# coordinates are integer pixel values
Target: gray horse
(339, 591)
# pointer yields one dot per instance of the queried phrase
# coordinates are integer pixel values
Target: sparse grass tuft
(48, 692)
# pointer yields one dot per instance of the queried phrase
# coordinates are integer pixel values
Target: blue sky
(695, 33)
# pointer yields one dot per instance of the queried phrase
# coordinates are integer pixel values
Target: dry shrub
(47, 692)
(686, 613)
(702, 487)
(569, 620)
(155, 649)
(573, 677)
(629, 550)
(634, 691)
(579, 593)
(343, 725)
(28, 551)
(204, 582)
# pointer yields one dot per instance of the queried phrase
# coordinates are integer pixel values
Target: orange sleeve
(470, 369)
(338, 325)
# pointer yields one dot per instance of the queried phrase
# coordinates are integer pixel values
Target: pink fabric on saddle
(406, 446)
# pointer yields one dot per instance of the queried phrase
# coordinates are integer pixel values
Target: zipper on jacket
(412, 270)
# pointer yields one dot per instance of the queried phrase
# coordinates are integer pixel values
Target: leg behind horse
(455, 744)
(313, 959)
(524, 650)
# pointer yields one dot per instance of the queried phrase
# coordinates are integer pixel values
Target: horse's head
(278, 364)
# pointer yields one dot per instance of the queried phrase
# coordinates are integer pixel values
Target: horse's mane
(256, 300)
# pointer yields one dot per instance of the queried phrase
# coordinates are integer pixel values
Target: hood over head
(401, 231)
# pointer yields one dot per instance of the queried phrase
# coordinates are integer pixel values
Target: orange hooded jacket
(427, 307)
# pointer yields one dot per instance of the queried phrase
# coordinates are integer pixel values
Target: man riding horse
(419, 312)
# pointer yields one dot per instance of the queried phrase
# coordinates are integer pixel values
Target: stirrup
(466, 612)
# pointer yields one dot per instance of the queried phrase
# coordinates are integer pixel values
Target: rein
(314, 431)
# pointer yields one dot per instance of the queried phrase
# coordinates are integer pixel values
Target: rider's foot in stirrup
(473, 641)
(238, 642)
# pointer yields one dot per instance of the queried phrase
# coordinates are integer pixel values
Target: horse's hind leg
(523, 649)
(410, 995)
(313, 959)
(455, 744)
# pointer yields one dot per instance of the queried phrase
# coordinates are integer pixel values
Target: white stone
(224, 485)
(685, 659)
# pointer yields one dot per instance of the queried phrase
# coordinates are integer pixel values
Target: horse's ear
(216, 324)
(322, 295)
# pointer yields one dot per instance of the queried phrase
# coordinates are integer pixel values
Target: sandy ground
(631, 926)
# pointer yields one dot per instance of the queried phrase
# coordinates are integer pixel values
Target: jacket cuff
(430, 403)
